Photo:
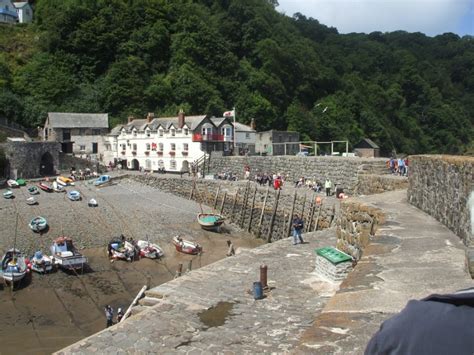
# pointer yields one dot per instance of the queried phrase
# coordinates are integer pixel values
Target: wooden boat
(38, 224)
(21, 182)
(41, 263)
(210, 221)
(45, 186)
(92, 203)
(65, 254)
(64, 181)
(57, 187)
(31, 201)
(102, 180)
(121, 249)
(8, 194)
(74, 195)
(33, 190)
(14, 266)
(12, 183)
(149, 250)
(186, 246)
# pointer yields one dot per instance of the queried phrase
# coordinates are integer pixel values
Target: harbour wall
(441, 186)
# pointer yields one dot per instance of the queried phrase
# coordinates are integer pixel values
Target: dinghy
(41, 263)
(121, 249)
(186, 246)
(102, 180)
(8, 194)
(12, 183)
(210, 221)
(66, 256)
(21, 182)
(149, 250)
(14, 266)
(45, 187)
(31, 201)
(33, 190)
(57, 187)
(38, 224)
(92, 203)
(64, 181)
(74, 195)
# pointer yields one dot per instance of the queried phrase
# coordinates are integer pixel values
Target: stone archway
(135, 165)
(47, 164)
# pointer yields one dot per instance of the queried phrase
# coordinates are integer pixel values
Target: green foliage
(406, 91)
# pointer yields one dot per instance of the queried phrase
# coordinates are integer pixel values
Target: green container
(333, 255)
(21, 182)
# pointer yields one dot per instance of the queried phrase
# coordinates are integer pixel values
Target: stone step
(149, 301)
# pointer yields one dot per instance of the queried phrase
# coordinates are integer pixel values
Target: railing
(197, 137)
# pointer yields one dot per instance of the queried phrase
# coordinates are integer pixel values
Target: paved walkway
(412, 256)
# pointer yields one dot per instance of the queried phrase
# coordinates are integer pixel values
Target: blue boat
(102, 180)
(74, 195)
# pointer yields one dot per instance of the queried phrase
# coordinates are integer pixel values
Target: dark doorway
(66, 147)
(94, 148)
(135, 165)
(47, 165)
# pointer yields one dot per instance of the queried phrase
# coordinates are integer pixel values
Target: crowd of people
(398, 166)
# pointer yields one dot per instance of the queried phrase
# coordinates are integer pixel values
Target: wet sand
(48, 312)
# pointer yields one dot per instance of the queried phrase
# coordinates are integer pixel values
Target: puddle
(217, 315)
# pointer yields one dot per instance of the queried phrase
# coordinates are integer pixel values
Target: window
(134, 132)
(207, 130)
(227, 131)
(82, 131)
(96, 132)
(148, 146)
(185, 147)
(147, 133)
(186, 131)
(173, 164)
(124, 146)
(27, 11)
(160, 147)
(134, 147)
(161, 164)
(82, 148)
(173, 132)
(247, 135)
(160, 132)
(173, 146)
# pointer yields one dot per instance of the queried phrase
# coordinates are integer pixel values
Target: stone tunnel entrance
(47, 165)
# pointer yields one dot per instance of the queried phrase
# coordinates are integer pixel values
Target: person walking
(109, 316)
(327, 186)
(119, 315)
(297, 229)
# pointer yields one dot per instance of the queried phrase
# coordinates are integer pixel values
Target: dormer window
(185, 131)
(173, 132)
(160, 132)
(226, 131)
(134, 132)
(160, 147)
(207, 129)
(147, 132)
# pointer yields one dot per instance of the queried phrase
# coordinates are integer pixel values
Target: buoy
(318, 200)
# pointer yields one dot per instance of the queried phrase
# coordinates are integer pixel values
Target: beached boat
(186, 246)
(102, 180)
(45, 186)
(21, 182)
(65, 255)
(31, 201)
(12, 183)
(41, 263)
(14, 266)
(74, 195)
(8, 194)
(38, 224)
(121, 249)
(92, 203)
(33, 190)
(58, 188)
(149, 250)
(65, 181)
(210, 221)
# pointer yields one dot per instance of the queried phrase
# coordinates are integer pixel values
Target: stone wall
(342, 171)
(356, 223)
(369, 184)
(261, 211)
(440, 186)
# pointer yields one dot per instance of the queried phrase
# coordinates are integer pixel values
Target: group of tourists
(398, 166)
(109, 315)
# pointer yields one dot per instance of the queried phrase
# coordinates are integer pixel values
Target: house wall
(25, 14)
(263, 143)
(8, 12)
(246, 140)
(367, 152)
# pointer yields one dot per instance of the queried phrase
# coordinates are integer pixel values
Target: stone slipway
(273, 324)
(411, 257)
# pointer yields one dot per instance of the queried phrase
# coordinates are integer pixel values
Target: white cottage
(24, 11)
(8, 12)
(170, 143)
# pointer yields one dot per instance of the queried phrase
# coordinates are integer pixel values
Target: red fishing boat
(186, 246)
(45, 186)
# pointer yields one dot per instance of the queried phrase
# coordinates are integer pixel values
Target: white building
(24, 11)
(8, 12)
(245, 137)
(170, 143)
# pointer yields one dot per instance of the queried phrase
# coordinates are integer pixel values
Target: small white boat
(12, 183)
(65, 254)
(41, 263)
(149, 250)
(8, 194)
(74, 195)
(92, 203)
(14, 266)
(31, 201)
(121, 249)
(33, 190)
(102, 180)
(186, 246)
(64, 181)
(38, 224)
(57, 187)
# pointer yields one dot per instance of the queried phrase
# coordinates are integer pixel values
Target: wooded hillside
(405, 91)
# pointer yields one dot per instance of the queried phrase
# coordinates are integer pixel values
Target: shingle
(78, 120)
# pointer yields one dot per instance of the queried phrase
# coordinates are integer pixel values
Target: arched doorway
(135, 165)
(185, 167)
(47, 165)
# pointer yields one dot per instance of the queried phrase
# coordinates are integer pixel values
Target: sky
(432, 17)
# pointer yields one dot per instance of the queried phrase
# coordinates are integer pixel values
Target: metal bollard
(263, 276)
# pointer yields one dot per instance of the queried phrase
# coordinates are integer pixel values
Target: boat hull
(186, 247)
(210, 221)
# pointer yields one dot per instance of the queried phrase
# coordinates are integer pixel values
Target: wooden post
(251, 209)
(263, 212)
(192, 191)
(233, 204)
(223, 202)
(290, 216)
(272, 219)
(311, 214)
(303, 206)
(244, 204)
(317, 218)
(217, 195)
(129, 310)
(333, 214)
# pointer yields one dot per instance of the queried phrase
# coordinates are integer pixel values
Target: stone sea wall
(262, 211)
(343, 171)
(441, 186)
(369, 184)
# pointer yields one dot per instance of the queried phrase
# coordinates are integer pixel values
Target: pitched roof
(19, 5)
(78, 120)
(367, 143)
(240, 127)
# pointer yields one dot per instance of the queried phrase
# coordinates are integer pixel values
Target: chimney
(150, 117)
(253, 125)
(181, 118)
(130, 119)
